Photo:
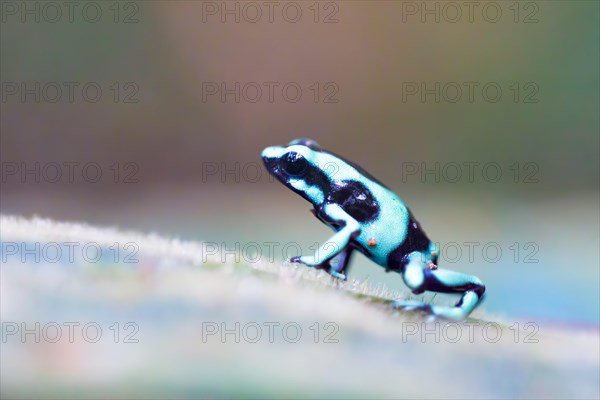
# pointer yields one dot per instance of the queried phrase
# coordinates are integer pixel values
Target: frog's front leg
(419, 277)
(341, 267)
(338, 243)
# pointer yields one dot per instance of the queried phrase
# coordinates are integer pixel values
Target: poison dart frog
(367, 216)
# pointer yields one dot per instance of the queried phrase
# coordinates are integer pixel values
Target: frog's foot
(409, 305)
(325, 265)
(420, 277)
(434, 312)
(310, 261)
(463, 308)
(337, 275)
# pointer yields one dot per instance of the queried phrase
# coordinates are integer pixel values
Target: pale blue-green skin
(390, 228)
(392, 210)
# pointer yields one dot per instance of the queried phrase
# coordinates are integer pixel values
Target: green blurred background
(174, 134)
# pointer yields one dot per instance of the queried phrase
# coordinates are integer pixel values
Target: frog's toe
(405, 304)
(306, 260)
(411, 305)
(434, 312)
(338, 275)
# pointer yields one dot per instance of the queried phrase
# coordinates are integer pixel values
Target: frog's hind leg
(420, 278)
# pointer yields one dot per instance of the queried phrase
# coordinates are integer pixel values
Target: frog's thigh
(414, 276)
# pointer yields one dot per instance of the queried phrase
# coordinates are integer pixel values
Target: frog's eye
(293, 164)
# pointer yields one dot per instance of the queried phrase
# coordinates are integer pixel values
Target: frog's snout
(265, 154)
(271, 156)
(272, 152)
(269, 162)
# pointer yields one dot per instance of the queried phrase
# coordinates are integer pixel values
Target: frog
(368, 217)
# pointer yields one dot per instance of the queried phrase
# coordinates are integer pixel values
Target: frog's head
(296, 166)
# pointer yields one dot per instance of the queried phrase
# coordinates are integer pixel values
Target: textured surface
(172, 295)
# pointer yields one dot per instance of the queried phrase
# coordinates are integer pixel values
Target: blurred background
(152, 116)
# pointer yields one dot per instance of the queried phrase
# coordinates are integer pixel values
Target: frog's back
(389, 231)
